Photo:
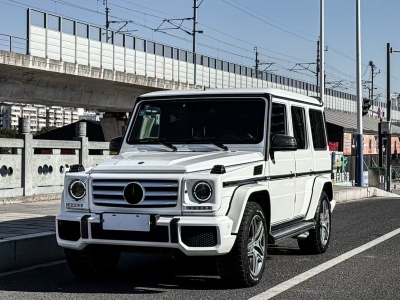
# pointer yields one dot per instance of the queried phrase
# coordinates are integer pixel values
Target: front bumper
(193, 235)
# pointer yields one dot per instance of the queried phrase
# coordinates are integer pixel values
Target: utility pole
(388, 113)
(318, 61)
(322, 54)
(105, 2)
(257, 61)
(195, 7)
(360, 142)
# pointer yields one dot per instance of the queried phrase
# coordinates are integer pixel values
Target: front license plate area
(126, 222)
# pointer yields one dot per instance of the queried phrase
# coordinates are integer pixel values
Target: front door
(281, 166)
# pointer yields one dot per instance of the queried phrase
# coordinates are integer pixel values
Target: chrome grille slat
(158, 193)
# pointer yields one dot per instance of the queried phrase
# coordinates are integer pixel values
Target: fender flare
(239, 201)
(320, 184)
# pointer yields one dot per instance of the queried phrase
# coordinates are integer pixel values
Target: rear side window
(278, 119)
(299, 127)
(317, 129)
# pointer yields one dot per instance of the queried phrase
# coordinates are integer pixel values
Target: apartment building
(41, 116)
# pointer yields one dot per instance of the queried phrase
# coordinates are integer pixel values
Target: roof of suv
(258, 91)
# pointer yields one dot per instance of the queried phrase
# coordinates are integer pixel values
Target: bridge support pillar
(113, 124)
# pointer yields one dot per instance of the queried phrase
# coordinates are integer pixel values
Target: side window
(299, 127)
(317, 129)
(278, 119)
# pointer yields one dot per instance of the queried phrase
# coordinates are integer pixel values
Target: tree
(7, 133)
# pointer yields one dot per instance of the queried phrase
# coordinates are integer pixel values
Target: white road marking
(284, 286)
(32, 268)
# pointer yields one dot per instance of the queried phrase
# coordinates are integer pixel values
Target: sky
(285, 32)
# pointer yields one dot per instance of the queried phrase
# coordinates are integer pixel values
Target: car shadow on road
(136, 274)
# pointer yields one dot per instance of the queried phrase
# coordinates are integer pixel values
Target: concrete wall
(34, 167)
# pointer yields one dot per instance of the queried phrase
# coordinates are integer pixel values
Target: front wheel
(245, 264)
(92, 262)
(318, 239)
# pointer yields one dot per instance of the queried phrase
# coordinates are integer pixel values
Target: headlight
(202, 191)
(77, 189)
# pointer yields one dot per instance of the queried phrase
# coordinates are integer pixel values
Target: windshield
(230, 121)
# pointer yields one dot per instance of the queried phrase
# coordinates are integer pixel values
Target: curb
(27, 199)
(354, 194)
(29, 250)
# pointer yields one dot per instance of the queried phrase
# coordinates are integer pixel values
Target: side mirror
(281, 142)
(115, 145)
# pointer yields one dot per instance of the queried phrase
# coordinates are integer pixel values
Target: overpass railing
(31, 166)
(13, 44)
(65, 39)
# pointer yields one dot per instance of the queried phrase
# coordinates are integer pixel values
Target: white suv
(217, 173)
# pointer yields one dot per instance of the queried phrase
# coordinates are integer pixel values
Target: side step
(291, 230)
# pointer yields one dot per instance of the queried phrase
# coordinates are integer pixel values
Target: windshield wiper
(168, 145)
(207, 140)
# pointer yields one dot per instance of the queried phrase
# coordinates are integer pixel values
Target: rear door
(303, 158)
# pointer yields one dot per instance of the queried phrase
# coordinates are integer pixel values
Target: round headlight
(202, 191)
(77, 189)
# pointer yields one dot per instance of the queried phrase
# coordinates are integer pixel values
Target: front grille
(199, 236)
(157, 193)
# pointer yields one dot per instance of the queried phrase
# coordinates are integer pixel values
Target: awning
(349, 122)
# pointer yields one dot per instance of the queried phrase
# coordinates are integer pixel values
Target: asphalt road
(371, 274)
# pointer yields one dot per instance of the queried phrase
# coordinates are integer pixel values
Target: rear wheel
(245, 264)
(318, 239)
(92, 262)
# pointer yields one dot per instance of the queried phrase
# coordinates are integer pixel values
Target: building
(41, 116)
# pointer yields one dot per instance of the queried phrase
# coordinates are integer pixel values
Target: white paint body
(291, 197)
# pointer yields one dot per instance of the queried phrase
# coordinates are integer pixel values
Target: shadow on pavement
(136, 274)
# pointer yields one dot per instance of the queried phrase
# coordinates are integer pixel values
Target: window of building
(206, 61)
(317, 129)
(176, 53)
(278, 119)
(299, 127)
(150, 48)
(159, 50)
(140, 44)
(129, 42)
(198, 59)
(37, 18)
(68, 26)
(82, 30)
(183, 55)
(53, 22)
(95, 33)
(168, 51)
(213, 63)
(190, 57)
(225, 66)
(119, 39)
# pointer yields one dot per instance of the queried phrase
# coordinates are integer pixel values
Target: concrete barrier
(344, 194)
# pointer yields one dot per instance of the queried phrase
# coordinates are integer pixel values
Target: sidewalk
(27, 230)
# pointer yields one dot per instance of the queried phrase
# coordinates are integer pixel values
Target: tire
(92, 262)
(239, 266)
(318, 239)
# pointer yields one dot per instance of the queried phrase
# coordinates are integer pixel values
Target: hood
(174, 162)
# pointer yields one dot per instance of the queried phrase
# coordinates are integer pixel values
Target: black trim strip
(85, 227)
(243, 182)
(271, 178)
(173, 229)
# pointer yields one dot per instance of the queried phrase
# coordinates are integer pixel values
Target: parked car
(219, 173)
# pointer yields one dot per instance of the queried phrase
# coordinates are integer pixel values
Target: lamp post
(359, 138)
